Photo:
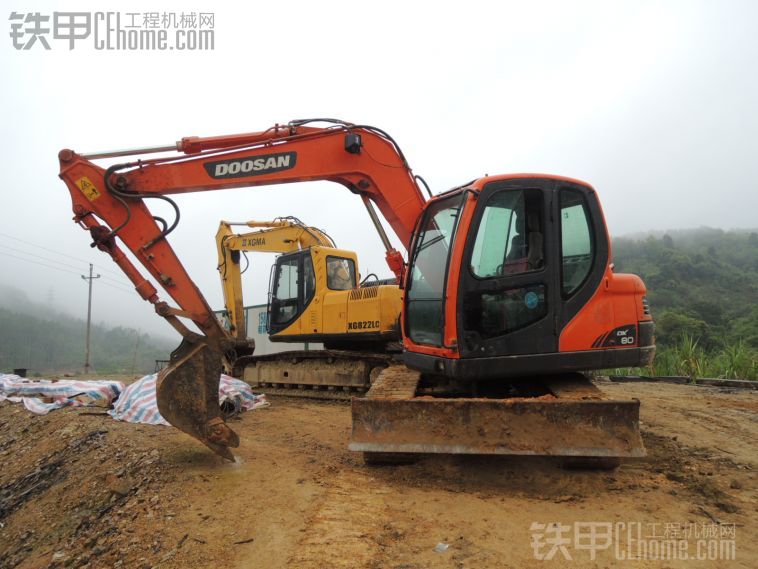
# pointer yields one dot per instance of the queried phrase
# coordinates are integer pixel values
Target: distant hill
(702, 287)
(37, 337)
(703, 282)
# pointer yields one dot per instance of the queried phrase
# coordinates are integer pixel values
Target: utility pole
(136, 350)
(89, 316)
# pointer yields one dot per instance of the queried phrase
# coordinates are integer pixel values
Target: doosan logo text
(251, 165)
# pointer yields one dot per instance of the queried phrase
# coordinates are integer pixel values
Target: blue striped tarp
(135, 403)
(62, 393)
(138, 403)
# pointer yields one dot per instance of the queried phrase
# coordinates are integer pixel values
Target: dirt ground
(80, 490)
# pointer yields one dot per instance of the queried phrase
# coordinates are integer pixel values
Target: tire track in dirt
(340, 528)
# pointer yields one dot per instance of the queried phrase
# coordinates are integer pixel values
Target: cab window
(426, 282)
(340, 273)
(509, 241)
(577, 247)
(285, 292)
(310, 278)
(510, 238)
(496, 313)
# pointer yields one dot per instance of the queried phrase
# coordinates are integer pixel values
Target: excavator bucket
(187, 393)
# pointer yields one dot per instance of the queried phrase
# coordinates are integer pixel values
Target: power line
(25, 242)
(117, 288)
(114, 281)
(54, 261)
(38, 256)
(100, 267)
(111, 285)
(38, 263)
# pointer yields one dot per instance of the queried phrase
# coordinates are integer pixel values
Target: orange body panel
(617, 302)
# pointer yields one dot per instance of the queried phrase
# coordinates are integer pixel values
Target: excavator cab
(525, 262)
(315, 297)
(297, 277)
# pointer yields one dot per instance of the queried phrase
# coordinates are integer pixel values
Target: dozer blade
(486, 426)
(187, 394)
(574, 419)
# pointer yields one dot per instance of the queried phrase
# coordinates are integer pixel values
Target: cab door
(291, 290)
(285, 292)
(509, 295)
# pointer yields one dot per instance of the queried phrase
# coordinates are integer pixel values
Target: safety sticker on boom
(87, 188)
(251, 165)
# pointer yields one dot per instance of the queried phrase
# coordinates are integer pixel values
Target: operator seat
(535, 256)
(516, 259)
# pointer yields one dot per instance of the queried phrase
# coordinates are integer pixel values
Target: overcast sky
(653, 103)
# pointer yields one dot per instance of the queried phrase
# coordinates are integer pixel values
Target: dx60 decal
(621, 337)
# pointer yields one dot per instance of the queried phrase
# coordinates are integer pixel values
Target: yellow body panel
(373, 309)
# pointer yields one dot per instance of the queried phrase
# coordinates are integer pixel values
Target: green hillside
(703, 292)
(702, 287)
(36, 337)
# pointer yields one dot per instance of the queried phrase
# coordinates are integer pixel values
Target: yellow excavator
(316, 296)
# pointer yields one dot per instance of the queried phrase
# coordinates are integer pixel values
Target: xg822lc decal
(363, 325)
(621, 337)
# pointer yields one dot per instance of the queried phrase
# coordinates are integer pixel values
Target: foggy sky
(653, 103)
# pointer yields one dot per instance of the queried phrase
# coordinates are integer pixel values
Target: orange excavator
(509, 292)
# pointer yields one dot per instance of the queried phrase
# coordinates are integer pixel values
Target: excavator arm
(282, 235)
(112, 203)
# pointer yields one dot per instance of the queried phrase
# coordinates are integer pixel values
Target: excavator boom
(111, 203)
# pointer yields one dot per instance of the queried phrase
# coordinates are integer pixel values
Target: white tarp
(43, 395)
(135, 403)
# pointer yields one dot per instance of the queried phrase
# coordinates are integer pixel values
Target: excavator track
(316, 374)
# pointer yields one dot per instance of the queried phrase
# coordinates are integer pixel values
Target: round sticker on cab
(531, 300)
